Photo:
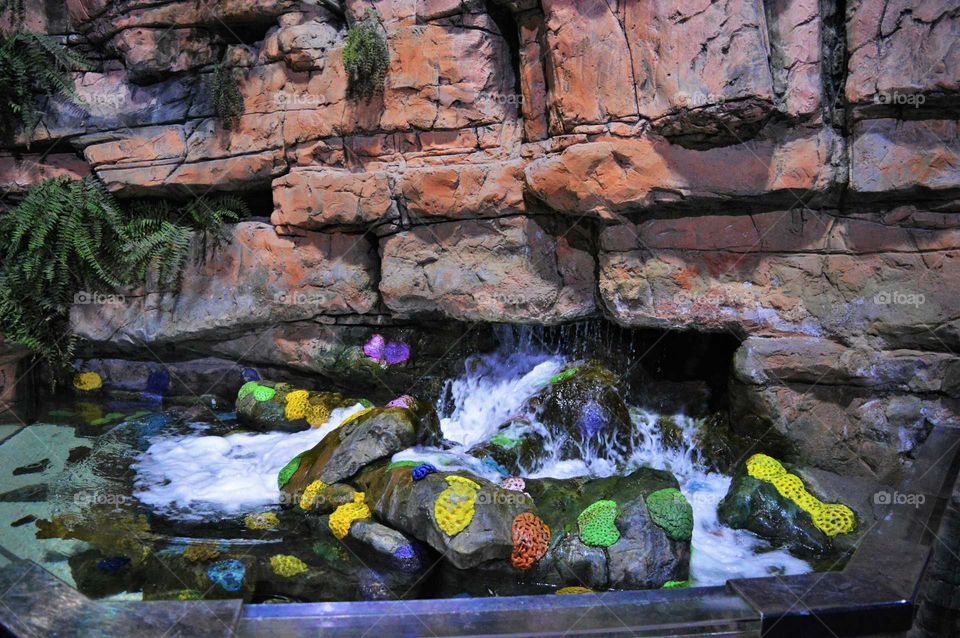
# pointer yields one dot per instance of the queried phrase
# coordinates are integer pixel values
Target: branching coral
(596, 524)
(287, 566)
(87, 381)
(344, 516)
(531, 539)
(309, 497)
(288, 471)
(262, 520)
(296, 404)
(829, 518)
(455, 506)
(671, 512)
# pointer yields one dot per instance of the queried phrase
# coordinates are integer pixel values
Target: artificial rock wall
(786, 171)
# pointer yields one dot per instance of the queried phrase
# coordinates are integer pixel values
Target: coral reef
(309, 497)
(830, 518)
(287, 566)
(531, 539)
(670, 510)
(87, 381)
(421, 471)
(288, 470)
(262, 520)
(596, 524)
(455, 506)
(343, 517)
(227, 574)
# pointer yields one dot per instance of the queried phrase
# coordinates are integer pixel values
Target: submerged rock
(768, 500)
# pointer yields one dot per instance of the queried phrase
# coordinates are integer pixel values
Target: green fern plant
(31, 65)
(17, 10)
(365, 56)
(68, 236)
(225, 90)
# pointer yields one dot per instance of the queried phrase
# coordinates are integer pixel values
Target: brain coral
(287, 566)
(196, 552)
(288, 471)
(317, 414)
(422, 471)
(343, 517)
(87, 381)
(262, 520)
(514, 484)
(455, 506)
(829, 518)
(670, 510)
(597, 526)
(263, 393)
(296, 405)
(531, 538)
(228, 574)
(246, 389)
(309, 496)
(574, 590)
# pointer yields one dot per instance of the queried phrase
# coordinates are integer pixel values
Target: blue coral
(421, 471)
(249, 374)
(407, 558)
(228, 574)
(113, 564)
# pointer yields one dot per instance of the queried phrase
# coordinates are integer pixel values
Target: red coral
(531, 538)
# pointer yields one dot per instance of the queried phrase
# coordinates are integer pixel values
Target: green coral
(676, 584)
(263, 393)
(288, 471)
(367, 403)
(504, 441)
(246, 389)
(597, 524)
(670, 510)
(397, 464)
(562, 376)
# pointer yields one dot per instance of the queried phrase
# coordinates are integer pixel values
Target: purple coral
(513, 484)
(403, 401)
(385, 353)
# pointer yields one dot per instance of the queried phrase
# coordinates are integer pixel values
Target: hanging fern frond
(225, 91)
(68, 236)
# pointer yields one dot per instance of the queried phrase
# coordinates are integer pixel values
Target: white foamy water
(197, 477)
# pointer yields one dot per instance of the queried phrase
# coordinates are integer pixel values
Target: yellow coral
(287, 566)
(574, 590)
(309, 496)
(343, 517)
(354, 417)
(829, 518)
(296, 405)
(195, 552)
(87, 381)
(455, 506)
(263, 520)
(318, 415)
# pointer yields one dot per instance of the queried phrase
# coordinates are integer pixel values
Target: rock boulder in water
(364, 438)
(280, 407)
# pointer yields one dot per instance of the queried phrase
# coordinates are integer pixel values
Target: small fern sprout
(365, 56)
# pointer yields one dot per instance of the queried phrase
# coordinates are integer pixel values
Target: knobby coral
(263, 393)
(296, 405)
(344, 516)
(671, 512)
(288, 471)
(596, 524)
(262, 520)
(87, 381)
(531, 538)
(455, 506)
(317, 414)
(287, 566)
(829, 518)
(309, 497)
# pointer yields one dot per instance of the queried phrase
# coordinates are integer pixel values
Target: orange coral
(531, 538)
